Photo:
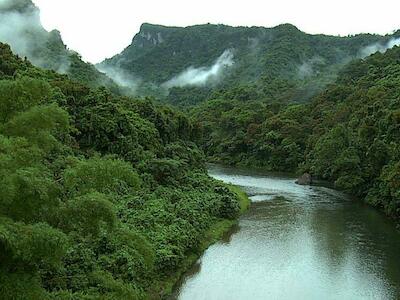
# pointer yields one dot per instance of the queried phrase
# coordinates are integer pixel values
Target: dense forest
(105, 195)
(100, 195)
(348, 134)
(282, 63)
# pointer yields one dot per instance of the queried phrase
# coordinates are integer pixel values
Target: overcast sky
(102, 28)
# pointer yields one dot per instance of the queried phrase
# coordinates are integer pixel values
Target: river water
(297, 242)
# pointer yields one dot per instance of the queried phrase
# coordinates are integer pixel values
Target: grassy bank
(221, 226)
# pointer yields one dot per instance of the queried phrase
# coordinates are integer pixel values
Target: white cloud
(378, 47)
(102, 28)
(22, 30)
(16, 27)
(121, 77)
(203, 75)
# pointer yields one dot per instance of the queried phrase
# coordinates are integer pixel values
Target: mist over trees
(106, 196)
(20, 27)
(181, 65)
(348, 134)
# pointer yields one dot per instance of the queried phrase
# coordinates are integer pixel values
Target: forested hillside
(348, 134)
(185, 66)
(105, 196)
(101, 196)
(20, 27)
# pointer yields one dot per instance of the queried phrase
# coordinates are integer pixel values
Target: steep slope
(20, 27)
(197, 59)
(101, 196)
(355, 139)
(349, 134)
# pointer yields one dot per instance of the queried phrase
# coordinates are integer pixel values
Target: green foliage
(20, 285)
(30, 246)
(280, 63)
(38, 124)
(111, 127)
(175, 219)
(348, 134)
(253, 133)
(29, 194)
(384, 193)
(87, 214)
(104, 175)
(101, 196)
(19, 95)
(10, 63)
(357, 152)
(164, 170)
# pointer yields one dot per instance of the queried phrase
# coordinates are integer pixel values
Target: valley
(106, 186)
(317, 241)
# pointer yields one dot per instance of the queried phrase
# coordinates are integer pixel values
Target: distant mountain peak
(287, 27)
(158, 53)
(21, 28)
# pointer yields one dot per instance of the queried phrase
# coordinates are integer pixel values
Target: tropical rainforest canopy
(348, 134)
(99, 194)
(106, 196)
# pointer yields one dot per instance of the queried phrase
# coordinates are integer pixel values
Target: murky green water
(315, 243)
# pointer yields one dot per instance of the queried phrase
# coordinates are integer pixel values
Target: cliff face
(159, 54)
(151, 35)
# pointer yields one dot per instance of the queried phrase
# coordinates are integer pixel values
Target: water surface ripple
(310, 243)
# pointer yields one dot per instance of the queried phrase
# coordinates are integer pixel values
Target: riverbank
(221, 226)
(372, 202)
(297, 242)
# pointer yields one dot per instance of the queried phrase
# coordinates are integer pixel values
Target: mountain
(189, 63)
(104, 196)
(348, 134)
(20, 27)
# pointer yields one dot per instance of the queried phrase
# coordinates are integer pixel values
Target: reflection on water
(298, 242)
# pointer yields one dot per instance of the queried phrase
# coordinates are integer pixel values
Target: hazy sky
(102, 28)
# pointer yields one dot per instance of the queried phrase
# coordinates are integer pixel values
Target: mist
(310, 67)
(20, 27)
(121, 77)
(200, 76)
(379, 47)
(17, 28)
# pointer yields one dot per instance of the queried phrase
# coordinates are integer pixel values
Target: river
(297, 242)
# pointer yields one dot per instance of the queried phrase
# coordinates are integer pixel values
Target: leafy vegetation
(101, 196)
(348, 134)
(104, 196)
(282, 63)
